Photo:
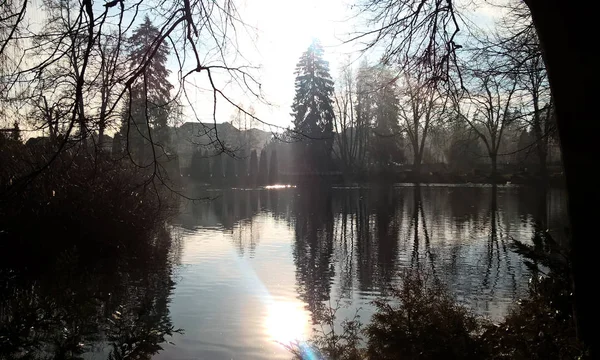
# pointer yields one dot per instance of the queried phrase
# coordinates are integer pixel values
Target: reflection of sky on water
(256, 265)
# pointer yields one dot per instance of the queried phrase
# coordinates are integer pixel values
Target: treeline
(235, 169)
(378, 117)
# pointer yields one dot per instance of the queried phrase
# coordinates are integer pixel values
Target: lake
(254, 267)
(236, 276)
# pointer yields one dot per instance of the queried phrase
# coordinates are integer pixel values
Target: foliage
(327, 343)
(148, 104)
(385, 146)
(78, 200)
(312, 109)
(421, 322)
(542, 325)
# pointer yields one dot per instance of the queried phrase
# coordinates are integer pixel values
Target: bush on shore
(81, 199)
(421, 320)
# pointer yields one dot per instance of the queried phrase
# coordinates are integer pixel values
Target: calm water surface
(253, 267)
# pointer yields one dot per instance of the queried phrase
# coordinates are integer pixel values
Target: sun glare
(287, 322)
(278, 186)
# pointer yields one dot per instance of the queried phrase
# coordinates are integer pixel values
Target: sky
(278, 33)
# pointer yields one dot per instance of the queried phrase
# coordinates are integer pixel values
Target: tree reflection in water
(115, 307)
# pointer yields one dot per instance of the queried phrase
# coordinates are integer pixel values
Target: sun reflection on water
(279, 186)
(287, 322)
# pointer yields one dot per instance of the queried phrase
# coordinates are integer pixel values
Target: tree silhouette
(420, 108)
(312, 109)
(424, 32)
(386, 130)
(148, 103)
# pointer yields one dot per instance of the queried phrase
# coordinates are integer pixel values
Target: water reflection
(75, 306)
(254, 267)
(313, 248)
(351, 243)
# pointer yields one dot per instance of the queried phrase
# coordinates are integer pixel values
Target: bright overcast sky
(283, 31)
(278, 33)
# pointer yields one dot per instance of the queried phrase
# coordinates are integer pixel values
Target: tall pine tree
(388, 137)
(148, 103)
(313, 109)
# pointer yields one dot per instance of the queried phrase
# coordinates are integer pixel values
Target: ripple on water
(262, 261)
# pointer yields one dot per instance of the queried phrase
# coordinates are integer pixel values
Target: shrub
(81, 200)
(421, 322)
(542, 325)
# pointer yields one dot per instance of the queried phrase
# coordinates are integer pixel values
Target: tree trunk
(417, 165)
(564, 28)
(494, 160)
(543, 155)
(101, 136)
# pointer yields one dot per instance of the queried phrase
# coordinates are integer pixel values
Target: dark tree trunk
(417, 166)
(564, 29)
(543, 156)
(494, 160)
(101, 136)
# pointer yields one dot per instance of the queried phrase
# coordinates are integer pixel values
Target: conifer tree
(147, 106)
(312, 109)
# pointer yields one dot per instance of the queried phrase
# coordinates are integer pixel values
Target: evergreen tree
(386, 127)
(253, 169)
(313, 109)
(148, 104)
(263, 172)
(364, 113)
(273, 168)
